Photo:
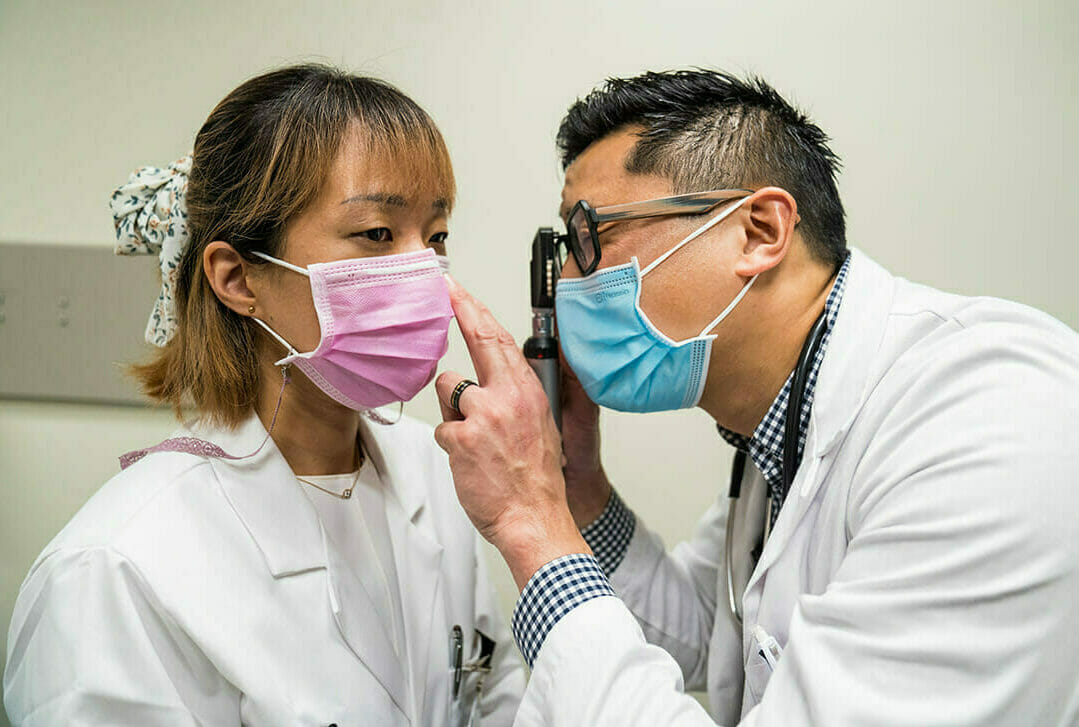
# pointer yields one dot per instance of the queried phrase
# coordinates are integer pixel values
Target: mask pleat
(379, 388)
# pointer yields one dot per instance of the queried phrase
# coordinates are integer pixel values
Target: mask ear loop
(694, 235)
(374, 416)
(288, 346)
(295, 268)
(282, 263)
(726, 311)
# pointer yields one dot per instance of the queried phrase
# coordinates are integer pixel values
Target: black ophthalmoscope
(541, 349)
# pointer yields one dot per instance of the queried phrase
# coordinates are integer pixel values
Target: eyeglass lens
(580, 241)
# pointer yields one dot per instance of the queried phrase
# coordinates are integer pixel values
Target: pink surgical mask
(384, 323)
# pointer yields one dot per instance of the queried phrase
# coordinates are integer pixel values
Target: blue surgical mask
(623, 361)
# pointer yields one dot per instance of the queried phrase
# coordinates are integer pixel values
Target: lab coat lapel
(842, 387)
(417, 554)
(284, 525)
(264, 494)
(360, 624)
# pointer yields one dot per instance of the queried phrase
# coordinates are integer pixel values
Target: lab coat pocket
(757, 675)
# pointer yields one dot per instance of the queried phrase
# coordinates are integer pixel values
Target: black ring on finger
(455, 395)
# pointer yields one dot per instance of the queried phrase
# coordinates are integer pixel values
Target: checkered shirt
(608, 535)
(567, 582)
(556, 589)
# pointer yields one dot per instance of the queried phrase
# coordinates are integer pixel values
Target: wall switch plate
(70, 318)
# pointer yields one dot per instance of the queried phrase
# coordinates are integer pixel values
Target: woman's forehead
(390, 174)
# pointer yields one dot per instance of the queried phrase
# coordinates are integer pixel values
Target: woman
(291, 557)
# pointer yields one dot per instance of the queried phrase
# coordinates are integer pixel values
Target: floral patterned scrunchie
(150, 216)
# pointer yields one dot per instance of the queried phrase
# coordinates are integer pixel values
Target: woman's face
(369, 206)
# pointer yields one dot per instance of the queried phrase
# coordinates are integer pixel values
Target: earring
(251, 309)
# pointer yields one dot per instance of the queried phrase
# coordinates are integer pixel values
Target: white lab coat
(194, 591)
(924, 570)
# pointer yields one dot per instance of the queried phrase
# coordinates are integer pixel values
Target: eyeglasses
(582, 235)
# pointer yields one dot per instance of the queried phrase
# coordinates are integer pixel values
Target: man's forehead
(599, 174)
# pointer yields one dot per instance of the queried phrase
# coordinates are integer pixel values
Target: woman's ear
(769, 230)
(226, 271)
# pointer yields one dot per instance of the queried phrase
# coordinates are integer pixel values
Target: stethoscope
(790, 454)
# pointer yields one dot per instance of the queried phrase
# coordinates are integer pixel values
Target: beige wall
(957, 123)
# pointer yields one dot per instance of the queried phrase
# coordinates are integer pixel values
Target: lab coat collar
(845, 381)
(280, 519)
(845, 376)
(262, 491)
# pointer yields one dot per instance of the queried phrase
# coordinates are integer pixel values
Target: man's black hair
(711, 130)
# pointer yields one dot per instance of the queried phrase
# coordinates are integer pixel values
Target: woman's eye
(379, 234)
(440, 238)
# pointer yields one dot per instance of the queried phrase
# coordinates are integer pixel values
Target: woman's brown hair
(258, 161)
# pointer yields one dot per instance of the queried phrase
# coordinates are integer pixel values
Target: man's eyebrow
(386, 200)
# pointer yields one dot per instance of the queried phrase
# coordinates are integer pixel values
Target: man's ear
(769, 230)
(226, 271)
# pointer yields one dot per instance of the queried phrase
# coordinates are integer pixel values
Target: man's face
(683, 293)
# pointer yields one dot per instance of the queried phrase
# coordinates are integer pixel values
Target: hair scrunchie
(150, 216)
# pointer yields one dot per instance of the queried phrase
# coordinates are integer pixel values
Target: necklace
(344, 494)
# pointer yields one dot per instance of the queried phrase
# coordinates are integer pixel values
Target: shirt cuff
(552, 592)
(608, 535)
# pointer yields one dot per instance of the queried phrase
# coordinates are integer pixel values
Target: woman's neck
(316, 435)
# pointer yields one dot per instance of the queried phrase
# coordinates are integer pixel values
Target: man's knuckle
(485, 334)
(466, 438)
(495, 416)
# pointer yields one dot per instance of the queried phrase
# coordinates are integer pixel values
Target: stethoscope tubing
(790, 456)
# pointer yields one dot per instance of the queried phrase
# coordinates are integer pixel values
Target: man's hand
(504, 448)
(587, 487)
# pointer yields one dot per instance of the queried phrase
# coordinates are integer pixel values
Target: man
(904, 550)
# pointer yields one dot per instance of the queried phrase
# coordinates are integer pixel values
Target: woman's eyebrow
(395, 200)
(386, 200)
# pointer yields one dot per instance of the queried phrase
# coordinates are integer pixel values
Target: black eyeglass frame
(583, 218)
